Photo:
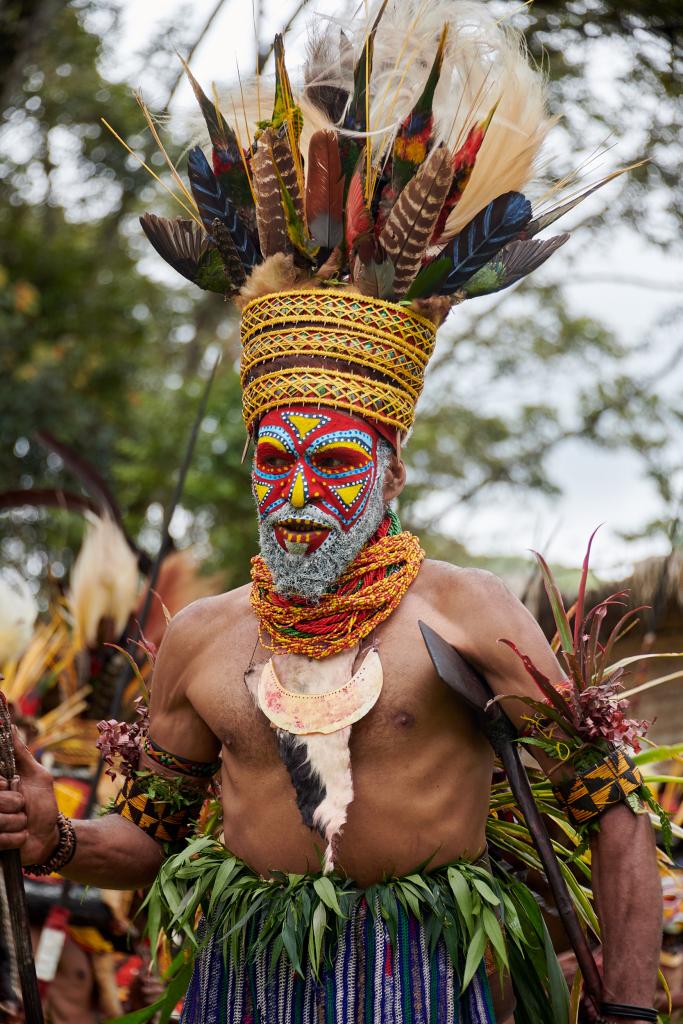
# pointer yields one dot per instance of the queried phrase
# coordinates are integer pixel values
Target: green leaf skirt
(299, 948)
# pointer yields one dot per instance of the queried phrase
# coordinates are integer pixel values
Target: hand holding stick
(14, 884)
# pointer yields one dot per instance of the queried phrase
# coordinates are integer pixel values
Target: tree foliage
(112, 361)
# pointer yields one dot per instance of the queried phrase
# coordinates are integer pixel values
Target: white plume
(18, 613)
(485, 63)
(104, 580)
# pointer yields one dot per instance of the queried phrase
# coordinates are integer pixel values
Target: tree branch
(264, 55)
(193, 49)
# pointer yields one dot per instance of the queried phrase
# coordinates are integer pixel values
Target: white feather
(18, 612)
(485, 62)
(104, 580)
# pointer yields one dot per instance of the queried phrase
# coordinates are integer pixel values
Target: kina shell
(306, 713)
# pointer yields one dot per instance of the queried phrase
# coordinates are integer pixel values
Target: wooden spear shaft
(14, 885)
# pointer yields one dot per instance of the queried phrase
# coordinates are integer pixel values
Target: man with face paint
(345, 762)
(319, 482)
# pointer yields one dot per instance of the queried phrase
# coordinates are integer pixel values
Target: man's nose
(298, 489)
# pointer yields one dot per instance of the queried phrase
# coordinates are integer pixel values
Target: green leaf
(656, 754)
(223, 876)
(475, 954)
(556, 604)
(420, 882)
(486, 891)
(412, 901)
(315, 937)
(557, 986)
(389, 911)
(463, 896)
(140, 1016)
(175, 991)
(326, 891)
(495, 935)
(512, 923)
(153, 925)
(289, 938)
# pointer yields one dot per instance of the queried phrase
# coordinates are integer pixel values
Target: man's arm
(624, 868)
(112, 851)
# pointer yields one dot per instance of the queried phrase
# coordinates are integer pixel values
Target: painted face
(313, 460)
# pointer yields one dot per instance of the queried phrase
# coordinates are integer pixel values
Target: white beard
(311, 576)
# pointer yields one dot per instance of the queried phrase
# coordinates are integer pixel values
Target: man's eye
(272, 460)
(339, 460)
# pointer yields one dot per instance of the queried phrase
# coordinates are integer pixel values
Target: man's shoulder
(200, 620)
(465, 594)
(462, 583)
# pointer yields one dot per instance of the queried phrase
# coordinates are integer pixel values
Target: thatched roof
(656, 585)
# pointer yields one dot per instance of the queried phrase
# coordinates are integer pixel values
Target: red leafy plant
(584, 711)
(120, 743)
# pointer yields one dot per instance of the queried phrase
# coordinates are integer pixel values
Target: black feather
(511, 264)
(485, 235)
(228, 252)
(522, 257)
(181, 243)
(193, 253)
(213, 202)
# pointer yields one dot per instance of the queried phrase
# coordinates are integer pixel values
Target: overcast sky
(598, 486)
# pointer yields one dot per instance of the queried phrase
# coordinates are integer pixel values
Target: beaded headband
(365, 207)
(351, 352)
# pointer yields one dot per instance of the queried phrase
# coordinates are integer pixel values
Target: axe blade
(452, 668)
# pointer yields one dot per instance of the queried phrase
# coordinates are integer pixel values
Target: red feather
(324, 190)
(464, 160)
(360, 237)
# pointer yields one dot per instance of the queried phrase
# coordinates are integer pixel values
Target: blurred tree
(91, 350)
(112, 362)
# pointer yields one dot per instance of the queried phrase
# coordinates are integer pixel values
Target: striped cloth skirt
(370, 981)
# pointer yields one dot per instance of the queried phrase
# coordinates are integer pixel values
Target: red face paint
(313, 459)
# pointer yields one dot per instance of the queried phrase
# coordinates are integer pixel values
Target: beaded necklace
(366, 594)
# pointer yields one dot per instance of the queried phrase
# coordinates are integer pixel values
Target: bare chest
(413, 704)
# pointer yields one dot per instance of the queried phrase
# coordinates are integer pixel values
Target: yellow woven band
(591, 792)
(331, 347)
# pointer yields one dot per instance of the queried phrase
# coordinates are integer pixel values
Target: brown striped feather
(274, 151)
(408, 229)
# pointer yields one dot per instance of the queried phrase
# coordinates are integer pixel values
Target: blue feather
(485, 235)
(213, 202)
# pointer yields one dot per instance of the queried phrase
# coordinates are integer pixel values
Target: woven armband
(165, 819)
(182, 765)
(590, 793)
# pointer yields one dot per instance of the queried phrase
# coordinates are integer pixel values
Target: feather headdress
(388, 189)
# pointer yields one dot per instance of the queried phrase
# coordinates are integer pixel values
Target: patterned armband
(591, 792)
(182, 765)
(161, 809)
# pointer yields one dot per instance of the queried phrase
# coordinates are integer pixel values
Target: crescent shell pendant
(306, 713)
